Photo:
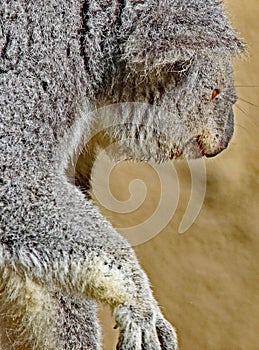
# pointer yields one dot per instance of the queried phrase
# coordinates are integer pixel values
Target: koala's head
(165, 68)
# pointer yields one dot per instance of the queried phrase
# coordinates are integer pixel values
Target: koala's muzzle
(210, 144)
(221, 140)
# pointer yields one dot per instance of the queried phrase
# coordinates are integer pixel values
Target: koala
(166, 66)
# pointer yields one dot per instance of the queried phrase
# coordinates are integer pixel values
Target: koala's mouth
(210, 143)
(194, 149)
(205, 145)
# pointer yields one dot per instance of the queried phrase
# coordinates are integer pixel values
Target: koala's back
(42, 77)
(42, 81)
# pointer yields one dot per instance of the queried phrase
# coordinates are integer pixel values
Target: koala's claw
(144, 331)
(166, 334)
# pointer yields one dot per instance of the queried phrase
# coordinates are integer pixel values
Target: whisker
(251, 121)
(246, 86)
(241, 109)
(248, 102)
(240, 126)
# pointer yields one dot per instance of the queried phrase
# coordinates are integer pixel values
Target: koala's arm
(84, 255)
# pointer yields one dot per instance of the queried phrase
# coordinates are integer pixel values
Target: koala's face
(174, 110)
(199, 103)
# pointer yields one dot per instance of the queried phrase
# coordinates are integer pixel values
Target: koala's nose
(221, 140)
(208, 143)
(230, 125)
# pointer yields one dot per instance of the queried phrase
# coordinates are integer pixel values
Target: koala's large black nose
(230, 125)
(220, 141)
(210, 143)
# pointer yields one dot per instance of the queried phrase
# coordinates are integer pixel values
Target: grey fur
(59, 62)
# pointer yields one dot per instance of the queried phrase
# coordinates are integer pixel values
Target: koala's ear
(175, 29)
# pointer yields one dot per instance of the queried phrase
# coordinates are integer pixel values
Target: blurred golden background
(205, 279)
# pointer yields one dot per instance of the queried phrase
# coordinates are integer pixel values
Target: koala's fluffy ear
(175, 29)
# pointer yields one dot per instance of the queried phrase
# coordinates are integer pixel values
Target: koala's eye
(215, 93)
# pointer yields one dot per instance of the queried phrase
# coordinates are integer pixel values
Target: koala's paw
(144, 328)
